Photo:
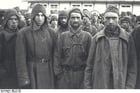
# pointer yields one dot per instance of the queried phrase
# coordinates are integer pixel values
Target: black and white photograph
(69, 44)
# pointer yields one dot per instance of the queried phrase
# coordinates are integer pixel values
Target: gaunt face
(39, 19)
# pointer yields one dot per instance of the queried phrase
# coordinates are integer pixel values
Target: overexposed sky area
(6, 4)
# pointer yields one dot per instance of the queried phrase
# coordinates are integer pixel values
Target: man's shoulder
(25, 30)
(87, 34)
(65, 33)
(2, 33)
(99, 34)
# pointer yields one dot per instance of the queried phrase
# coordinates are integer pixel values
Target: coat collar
(77, 33)
(123, 34)
(9, 34)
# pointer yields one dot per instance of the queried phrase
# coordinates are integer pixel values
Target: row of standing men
(37, 57)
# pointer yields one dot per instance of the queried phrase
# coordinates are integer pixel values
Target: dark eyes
(63, 18)
(75, 17)
(40, 15)
(111, 18)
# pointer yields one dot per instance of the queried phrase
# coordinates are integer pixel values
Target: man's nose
(76, 19)
(111, 21)
(14, 21)
(64, 20)
(40, 17)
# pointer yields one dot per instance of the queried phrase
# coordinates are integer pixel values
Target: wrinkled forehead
(73, 14)
(111, 14)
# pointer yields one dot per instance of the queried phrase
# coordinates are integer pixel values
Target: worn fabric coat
(70, 58)
(8, 74)
(136, 36)
(98, 63)
(34, 54)
(7, 43)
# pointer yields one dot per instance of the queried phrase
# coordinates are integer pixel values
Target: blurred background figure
(87, 23)
(54, 22)
(62, 22)
(137, 21)
(94, 20)
(22, 18)
(125, 23)
(28, 19)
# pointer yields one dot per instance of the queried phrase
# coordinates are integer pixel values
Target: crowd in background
(94, 17)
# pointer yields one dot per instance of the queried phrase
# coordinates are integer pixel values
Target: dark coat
(61, 29)
(136, 36)
(8, 74)
(71, 53)
(124, 73)
(7, 59)
(34, 54)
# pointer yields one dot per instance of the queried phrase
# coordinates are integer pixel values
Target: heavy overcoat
(136, 36)
(34, 54)
(7, 59)
(8, 74)
(98, 65)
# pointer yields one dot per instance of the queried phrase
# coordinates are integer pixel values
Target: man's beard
(13, 27)
(76, 26)
(112, 30)
(64, 25)
(111, 27)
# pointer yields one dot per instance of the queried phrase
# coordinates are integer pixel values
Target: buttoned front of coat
(71, 53)
(73, 49)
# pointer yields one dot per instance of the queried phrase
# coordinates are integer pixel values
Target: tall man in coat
(112, 62)
(34, 52)
(71, 53)
(8, 75)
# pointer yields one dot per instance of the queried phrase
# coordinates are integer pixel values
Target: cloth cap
(38, 8)
(53, 18)
(8, 14)
(112, 9)
(63, 13)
